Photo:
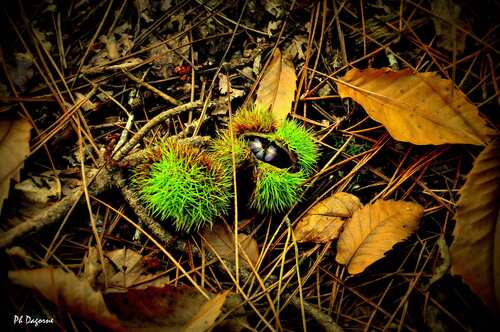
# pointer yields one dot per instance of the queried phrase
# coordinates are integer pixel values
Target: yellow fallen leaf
(14, 147)
(69, 293)
(375, 229)
(221, 241)
(277, 87)
(475, 251)
(207, 315)
(420, 108)
(322, 223)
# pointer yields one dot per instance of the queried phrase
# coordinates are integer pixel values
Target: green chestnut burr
(185, 185)
(282, 156)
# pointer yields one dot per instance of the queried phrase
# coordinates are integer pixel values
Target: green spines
(222, 149)
(300, 141)
(276, 189)
(257, 120)
(192, 187)
(186, 185)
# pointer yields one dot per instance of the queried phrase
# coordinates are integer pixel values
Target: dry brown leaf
(373, 230)
(277, 87)
(222, 241)
(22, 72)
(163, 56)
(68, 293)
(14, 147)
(322, 223)
(207, 315)
(166, 308)
(41, 189)
(448, 36)
(91, 266)
(420, 108)
(475, 253)
(111, 46)
(87, 104)
(124, 269)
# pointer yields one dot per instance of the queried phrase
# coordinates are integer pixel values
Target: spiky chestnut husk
(222, 149)
(256, 120)
(185, 185)
(276, 189)
(301, 142)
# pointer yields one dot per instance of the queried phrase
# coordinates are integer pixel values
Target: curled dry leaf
(475, 251)
(69, 293)
(221, 241)
(14, 147)
(420, 108)
(322, 223)
(277, 87)
(375, 229)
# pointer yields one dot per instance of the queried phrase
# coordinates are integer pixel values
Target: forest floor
(87, 86)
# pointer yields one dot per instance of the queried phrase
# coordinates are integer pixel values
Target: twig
(104, 180)
(151, 124)
(101, 182)
(152, 88)
(46, 217)
(144, 216)
(124, 134)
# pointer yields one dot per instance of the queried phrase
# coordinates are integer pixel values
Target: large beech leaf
(475, 251)
(14, 147)
(68, 293)
(375, 229)
(322, 223)
(277, 87)
(420, 108)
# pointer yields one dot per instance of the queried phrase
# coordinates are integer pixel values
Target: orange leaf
(277, 87)
(322, 223)
(375, 229)
(69, 293)
(475, 251)
(420, 108)
(14, 147)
